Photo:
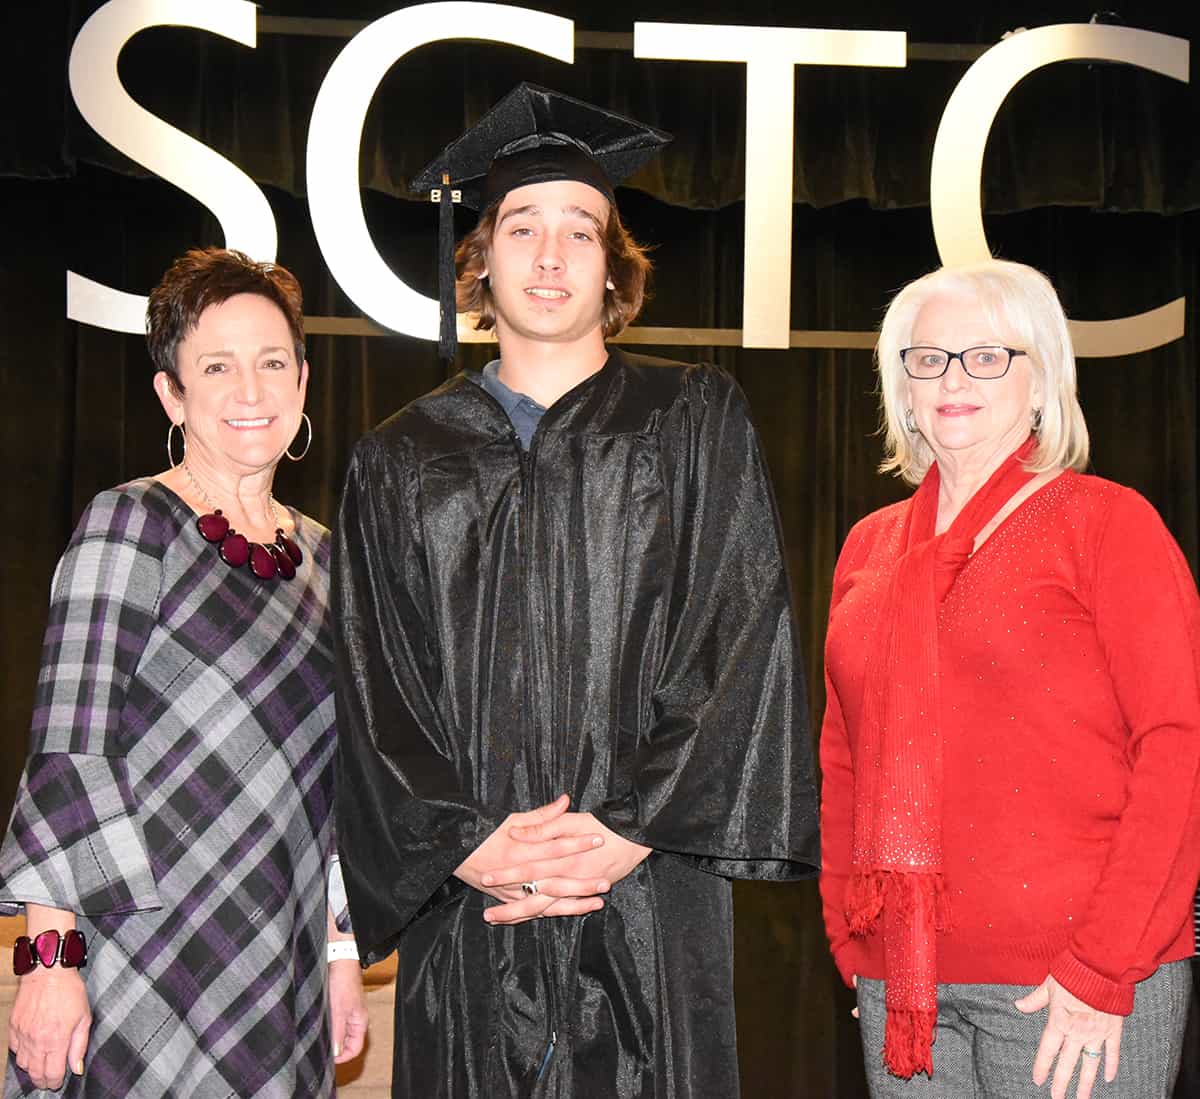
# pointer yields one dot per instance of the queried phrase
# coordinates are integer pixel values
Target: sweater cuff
(846, 959)
(1095, 990)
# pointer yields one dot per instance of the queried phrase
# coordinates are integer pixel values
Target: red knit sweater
(1069, 670)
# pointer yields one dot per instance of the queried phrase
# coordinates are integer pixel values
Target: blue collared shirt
(523, 412)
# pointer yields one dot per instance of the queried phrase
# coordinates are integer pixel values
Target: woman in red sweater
(1011, 746)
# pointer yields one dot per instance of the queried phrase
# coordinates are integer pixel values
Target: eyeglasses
(984, 363)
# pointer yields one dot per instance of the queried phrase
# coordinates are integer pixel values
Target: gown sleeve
(723, 775)
(404, 821)
(75, 840)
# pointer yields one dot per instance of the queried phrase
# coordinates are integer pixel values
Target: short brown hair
(628, 270)
(210, 276)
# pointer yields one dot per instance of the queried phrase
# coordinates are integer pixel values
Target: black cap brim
(535, 135)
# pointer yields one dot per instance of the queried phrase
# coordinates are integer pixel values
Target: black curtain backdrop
(1092, 174)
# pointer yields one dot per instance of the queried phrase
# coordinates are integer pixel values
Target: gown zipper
(545, 939)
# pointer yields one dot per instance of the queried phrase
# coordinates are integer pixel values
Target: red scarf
(897, 854)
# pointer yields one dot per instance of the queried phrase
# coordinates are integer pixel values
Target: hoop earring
(297, 457)
(910, 425)
(170, 432)
(1035, 420)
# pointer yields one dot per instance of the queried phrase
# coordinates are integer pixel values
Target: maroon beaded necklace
(266, 560)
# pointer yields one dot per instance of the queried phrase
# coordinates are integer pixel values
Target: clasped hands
(572, 856)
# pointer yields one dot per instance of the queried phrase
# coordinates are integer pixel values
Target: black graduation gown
(607, 615)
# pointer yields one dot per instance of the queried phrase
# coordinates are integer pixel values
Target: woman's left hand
(347, 1009)
(1074, 1033)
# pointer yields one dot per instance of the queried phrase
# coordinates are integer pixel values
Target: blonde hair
(1017, 300)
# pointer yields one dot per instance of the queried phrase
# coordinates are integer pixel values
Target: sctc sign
(769, 54)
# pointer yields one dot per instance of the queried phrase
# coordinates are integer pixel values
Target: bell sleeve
(723, 775)
(75, 841)
(404, 821)
(335, 896)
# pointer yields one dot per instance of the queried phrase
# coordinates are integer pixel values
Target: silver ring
(529, 888)
(1091, 1052)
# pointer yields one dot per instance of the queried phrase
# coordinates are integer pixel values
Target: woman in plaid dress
(176, 804)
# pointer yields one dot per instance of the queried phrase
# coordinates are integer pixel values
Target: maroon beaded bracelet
(68, 950)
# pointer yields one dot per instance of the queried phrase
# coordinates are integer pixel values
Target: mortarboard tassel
(448, 330)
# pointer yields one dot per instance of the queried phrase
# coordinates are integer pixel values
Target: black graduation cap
(533, 135)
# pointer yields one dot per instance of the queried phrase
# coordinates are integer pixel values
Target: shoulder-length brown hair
(628, 271)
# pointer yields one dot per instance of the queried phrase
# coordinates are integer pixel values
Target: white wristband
(340, 950)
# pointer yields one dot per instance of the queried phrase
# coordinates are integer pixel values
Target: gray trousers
(984, 1047)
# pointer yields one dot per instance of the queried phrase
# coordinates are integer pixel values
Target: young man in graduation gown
(570, 699)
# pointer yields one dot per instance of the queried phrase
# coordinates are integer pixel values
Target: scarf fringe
(865, 895)
(869, 890)
(908, 1042)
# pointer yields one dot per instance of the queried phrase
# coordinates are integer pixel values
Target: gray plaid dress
(178, 797)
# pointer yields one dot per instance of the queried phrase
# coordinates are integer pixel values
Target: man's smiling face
(547, 265)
